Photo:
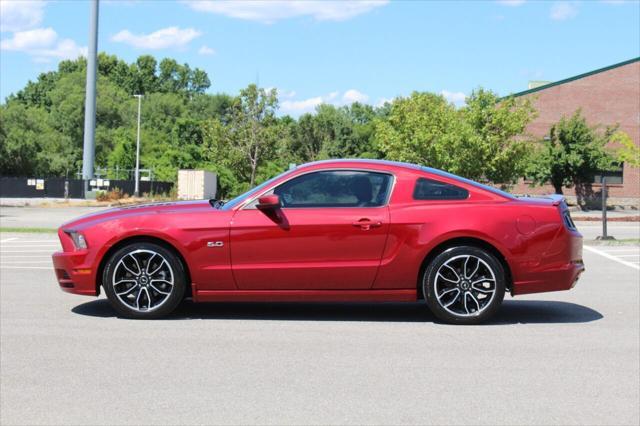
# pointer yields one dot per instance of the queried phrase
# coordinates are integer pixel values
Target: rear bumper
(558, 268)
(557, 279)
(73, 274)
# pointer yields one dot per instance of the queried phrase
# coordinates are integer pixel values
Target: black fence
(22, 187)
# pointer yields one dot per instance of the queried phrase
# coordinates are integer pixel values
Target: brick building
(607, 96)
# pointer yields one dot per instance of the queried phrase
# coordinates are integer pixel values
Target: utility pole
(137, 186)
(88, 153)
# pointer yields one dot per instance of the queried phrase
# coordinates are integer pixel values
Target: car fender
(139, 233)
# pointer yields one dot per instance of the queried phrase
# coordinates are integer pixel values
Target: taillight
(568, 222)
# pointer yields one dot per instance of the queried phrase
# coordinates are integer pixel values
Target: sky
(334, 52)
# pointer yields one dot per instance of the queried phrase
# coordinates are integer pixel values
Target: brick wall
(606, 98)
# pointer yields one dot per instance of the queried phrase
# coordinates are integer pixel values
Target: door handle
(366, 224)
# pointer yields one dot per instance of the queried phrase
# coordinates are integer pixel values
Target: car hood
(138, 210)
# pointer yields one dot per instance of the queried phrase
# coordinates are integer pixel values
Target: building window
(613, 176)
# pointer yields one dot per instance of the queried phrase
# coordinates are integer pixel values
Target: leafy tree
(144, 70)
(198, 81)
(478, 141)
(123, 155)
(204, 106)
(573, 154)
(29, 146)
(422, 129)
(628, 152)
(335, 132)
(249, 129)
(498, 127)
(240, 137)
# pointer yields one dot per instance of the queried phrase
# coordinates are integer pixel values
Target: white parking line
(52, 240)
(31, 243)
(26, 267)
(21, 256)
(612, 257)
(28, 248)
(31, 246)
(7, 240)
(609, 225)
(29, 251)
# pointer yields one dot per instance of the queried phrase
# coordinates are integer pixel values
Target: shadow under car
(511, 312)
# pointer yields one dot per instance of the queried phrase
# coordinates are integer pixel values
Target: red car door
(331, 235)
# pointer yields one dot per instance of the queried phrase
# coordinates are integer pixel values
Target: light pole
(137, 185)
(88, 150)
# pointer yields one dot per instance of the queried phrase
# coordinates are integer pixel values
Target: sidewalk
(74, 202)
(612, 215)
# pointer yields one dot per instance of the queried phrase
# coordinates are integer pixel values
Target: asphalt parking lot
(558, 358)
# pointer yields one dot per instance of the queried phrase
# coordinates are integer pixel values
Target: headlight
(78, 240)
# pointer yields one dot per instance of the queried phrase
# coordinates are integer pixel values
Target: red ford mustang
(340, 230)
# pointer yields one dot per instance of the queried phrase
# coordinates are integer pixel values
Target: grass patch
(29, 230)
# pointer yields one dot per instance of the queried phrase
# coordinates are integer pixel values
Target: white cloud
(275, 10)
(300, 107)
(206, 50)
(296, 107)
(161, 39)
(382, 101)
(42, 44)
(457, 98)
(563, 10)
(20, 15)
(352, 95)
(511, 3)
(284, 93)
(31, 39)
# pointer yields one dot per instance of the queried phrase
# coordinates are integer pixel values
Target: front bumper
(73, 274)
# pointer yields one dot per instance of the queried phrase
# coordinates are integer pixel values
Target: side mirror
(268, 202)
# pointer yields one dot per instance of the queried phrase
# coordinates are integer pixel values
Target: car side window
(429, 189)
(335, 188)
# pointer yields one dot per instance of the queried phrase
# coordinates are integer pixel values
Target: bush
(113, 195)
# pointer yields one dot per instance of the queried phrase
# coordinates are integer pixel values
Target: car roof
(361, 161)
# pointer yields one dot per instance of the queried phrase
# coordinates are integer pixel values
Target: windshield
(469, 181)
(240, 198)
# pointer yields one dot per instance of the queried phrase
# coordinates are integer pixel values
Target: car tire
(464, 285)
(144, 281)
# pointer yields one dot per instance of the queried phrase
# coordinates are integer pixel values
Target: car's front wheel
(464, 285)
(144, 280)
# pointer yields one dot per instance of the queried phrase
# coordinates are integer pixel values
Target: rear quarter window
(429, 189)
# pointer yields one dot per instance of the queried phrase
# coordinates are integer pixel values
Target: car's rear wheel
(144, 280)
(464, 285)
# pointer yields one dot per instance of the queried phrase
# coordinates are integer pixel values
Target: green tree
(573, 153)
(628, 152)
(479, 141)
(144, 70)
(498, 129)
(123, 155)
(173, 93)
(335, 132)
(29, 146)
(249, 130)
(421, 129)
